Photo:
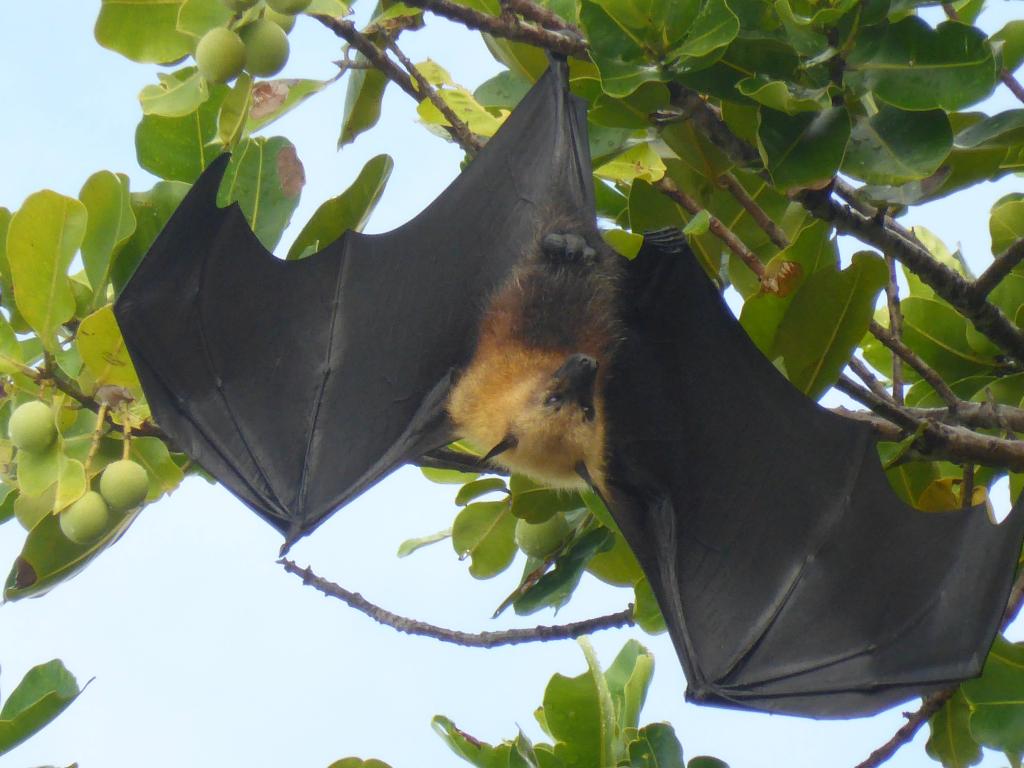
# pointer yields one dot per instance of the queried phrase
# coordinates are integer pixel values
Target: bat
(791, 578)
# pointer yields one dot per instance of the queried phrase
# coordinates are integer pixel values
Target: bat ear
(507, 443)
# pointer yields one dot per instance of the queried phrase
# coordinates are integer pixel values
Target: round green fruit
(283, 20)
(86, 519)
(220, 55)
(541, 539)
(124, 485)
(290, 7)
(239, 5)
(31, 427)
(266, 48)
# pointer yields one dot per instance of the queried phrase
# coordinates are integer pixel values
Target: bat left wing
(300, 384)
(791, 577)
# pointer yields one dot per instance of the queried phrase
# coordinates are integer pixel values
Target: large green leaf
(1012, 38)
(555, 587)
(893, 146)
(43, 237)
(805, 149)
(949, 740)
(348, 211)
(362, 100)
(272, 99)
(628, 679)
(176, 95)
(537, 503)
(913, 66)
(143, 30)
(784, 96)
(109, 225)
(44, 692)
(656, 746)
(103, 350)
(637, 162)
(179, 148)
(471, 750)
(617, 50)
(164, 473)
(484, 532)
(715, 27)
(1006, 224)
(578, 713)
(265, 178)
(152, 209)
(1005, 129)
(827, 318)
(197, 17)
(938, 333)
(997, 699)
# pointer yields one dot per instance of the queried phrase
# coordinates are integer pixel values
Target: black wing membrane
(791, 577)
(300, 384)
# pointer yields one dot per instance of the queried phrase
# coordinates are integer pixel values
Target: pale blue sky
(205, 652)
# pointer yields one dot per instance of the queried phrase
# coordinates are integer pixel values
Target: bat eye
(553, 400)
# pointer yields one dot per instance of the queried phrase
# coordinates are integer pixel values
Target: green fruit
(31, 427)
(239, 5)
(266, 48)
(124, 485)
(283, 20)
(541, 539)
(289, 7)
(220, 55)
(86, 519)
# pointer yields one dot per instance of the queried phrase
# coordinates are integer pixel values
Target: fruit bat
(790, 576)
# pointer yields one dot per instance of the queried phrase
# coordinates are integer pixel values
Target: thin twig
(892, 301)
(903, 352)
(869, 379)
(668, 187)
(546, 18)
(470, 639)
(999, 269)
(773, 230)
(1012, 83)
(463, 134)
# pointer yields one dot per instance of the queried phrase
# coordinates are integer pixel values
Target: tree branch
(892, 301)
(536, 13)
(557, 42)
(901, 351)
(999, 269)
(773, 230)
(668, 187)
(469, 639)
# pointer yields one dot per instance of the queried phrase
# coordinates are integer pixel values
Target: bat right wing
(791, 577)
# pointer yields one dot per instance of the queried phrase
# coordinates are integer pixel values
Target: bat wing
(299, 384)
(791, 577)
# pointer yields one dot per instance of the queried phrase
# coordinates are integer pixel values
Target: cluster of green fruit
(123, 484)
(260, 47)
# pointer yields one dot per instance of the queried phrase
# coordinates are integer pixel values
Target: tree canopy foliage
(765, 130)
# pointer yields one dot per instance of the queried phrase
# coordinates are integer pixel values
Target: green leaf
(362, 100)
(1012, 38)
(503, 91)
(179, 148)
(1003, 130)
(799, 30)
(143, 30)
(646, 610)
(714, 28)
(265, 178)
(448, 476)
(827, 318)
(537, 503)
(894, 146)
(10, 351)
(628, 679)
(634, 111)
(109, 224)
(234, 112)
(333, 8)
(802, 150)
(938, 333)
(1007, 223)
(471, 750)
(784, 96)
(460, 101)
(699, 224)
(43, 237)
(152, 209)
(617, 51)
(103, 350)
(48, 557)
(409, 546)
(703, 761)
(627, 244)
(997, 717)
(638, 162)
(197, 17)
(580, 716)
(177, 94)
(44, 692)
(912, 66)
(355, 762)
(616, 566)
(556, 587)
(272, 99)
(164, 473)
(656, 746)
(484, 531)
(474, 490)
(348, 211)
